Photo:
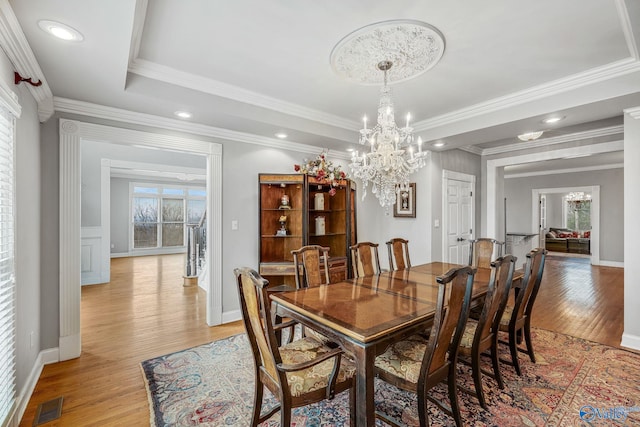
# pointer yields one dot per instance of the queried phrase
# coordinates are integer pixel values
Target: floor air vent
(48, 411)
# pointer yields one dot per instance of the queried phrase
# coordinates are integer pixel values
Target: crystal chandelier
(390, 157)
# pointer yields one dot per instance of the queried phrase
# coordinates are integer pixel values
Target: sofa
(567, 240)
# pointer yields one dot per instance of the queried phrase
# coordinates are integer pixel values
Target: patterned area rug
(574, 382)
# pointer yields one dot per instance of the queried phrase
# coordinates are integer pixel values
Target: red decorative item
(19, 79)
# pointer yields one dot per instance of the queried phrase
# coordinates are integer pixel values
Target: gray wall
(92, 153)
(519, 210)
(27, 237)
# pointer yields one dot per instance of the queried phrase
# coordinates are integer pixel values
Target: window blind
(7, 268)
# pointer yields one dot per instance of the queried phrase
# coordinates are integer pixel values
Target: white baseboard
(630, 341)
(45, 357)
(611, 264)
(231, 316)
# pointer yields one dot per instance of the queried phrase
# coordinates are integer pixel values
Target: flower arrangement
(323, 170)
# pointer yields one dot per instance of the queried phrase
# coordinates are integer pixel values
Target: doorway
(594, 237)
(71, 134)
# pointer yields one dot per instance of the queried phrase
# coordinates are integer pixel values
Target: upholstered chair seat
(404, 359)
(316, 377)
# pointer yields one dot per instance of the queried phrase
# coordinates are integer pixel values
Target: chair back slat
(398, 254)
(527, 295)
(311, 264)
(256, 314)
(484, 250)
(496, 299)
(450, 317)
(365, 260)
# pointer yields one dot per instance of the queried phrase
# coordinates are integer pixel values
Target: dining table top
(369, 308)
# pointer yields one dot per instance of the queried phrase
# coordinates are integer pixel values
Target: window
(7, 267)
(577, 213)
(160, 214)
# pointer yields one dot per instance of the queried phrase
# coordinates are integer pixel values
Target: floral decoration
(323, 170)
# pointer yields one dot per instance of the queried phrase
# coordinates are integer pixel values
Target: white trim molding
(176, 77)
(567, 170)
(100, 111)
(15, 45)
(633, 112)
(630, 341)
(71, 134)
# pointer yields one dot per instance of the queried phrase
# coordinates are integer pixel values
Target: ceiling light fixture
(60, 30)
(552, 120)
(183, 114)
(281, 135)
(530, 136)
(438, 144)
(401, 50)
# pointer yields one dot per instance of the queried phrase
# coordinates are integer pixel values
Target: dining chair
(418, 364)
(298, 373)
(311, 265)
(516, 318)
(482, 334)
(364, 259)
(398, 254)
(311, 269)
(484, 250)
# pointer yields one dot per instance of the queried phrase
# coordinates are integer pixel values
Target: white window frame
(159, 196)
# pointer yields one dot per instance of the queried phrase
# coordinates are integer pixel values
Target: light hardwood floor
(145, 312)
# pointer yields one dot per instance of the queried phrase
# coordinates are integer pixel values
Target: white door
(458, 215)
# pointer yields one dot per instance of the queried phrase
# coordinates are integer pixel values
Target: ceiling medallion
(413, 47)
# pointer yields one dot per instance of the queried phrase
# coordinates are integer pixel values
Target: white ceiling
(247, 69)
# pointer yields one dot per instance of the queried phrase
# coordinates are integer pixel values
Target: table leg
(365, 404)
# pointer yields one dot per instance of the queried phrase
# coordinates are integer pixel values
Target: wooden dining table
(365, 315)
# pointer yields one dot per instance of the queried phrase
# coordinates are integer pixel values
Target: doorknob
(460, 239)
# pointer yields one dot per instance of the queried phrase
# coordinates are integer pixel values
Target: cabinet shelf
(299, 191)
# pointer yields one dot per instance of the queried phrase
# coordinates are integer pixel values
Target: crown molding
(139, 16)
(202, 84)
(109, 113)
(544, 142)
(633, 112)
(472, 149)
(567, 170)
(627, 28)
(575, 81)
(15, 45)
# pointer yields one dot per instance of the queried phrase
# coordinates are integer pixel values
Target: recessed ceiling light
(439, 144)
(530, 136)
(183, 114)
(350, 150)
(281, 135)
(60, 30)
(552, 120)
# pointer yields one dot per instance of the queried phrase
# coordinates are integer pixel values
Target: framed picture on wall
(405, 206)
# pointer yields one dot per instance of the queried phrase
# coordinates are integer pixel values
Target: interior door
(459, 220)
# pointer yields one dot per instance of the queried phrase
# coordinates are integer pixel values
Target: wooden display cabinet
(304, 224)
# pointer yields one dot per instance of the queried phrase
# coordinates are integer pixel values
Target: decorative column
(631, 333)
(70, 340)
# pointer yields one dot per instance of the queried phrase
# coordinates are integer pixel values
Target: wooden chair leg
(257, 404)
(285, 416)
(423, 414)
(513, 347)
(527, 338)
(496, 365)
(477, 378)
(453, 396)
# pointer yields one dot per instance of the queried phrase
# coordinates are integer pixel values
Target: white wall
(631, 334)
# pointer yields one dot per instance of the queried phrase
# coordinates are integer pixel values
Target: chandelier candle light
(387, 52)
(391, 158)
